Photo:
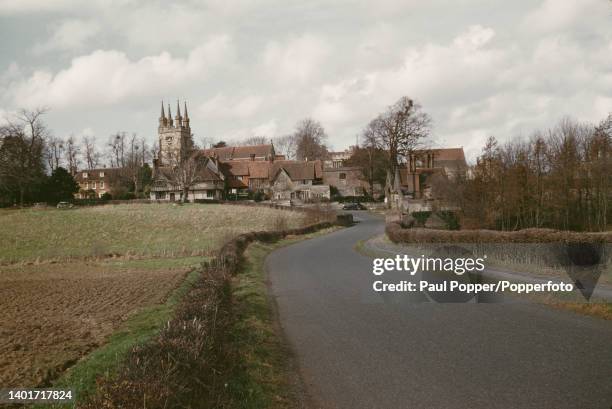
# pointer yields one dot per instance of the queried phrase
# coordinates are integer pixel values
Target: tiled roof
(94, 174)
(205, 174)
(259, 169)
(445, 154)
(298, 170)
(240, 152)
(252, 169)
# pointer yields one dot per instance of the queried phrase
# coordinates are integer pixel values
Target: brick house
(95, 182)
(423, 182)
(424, 167)
(244, 176)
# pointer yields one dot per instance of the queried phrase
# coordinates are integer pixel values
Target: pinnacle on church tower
(178, 119)
(162, 118)
(186, 118)
(169, 116)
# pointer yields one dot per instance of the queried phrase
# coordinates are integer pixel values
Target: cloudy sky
(479, 67)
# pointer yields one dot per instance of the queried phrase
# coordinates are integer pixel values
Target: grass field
(156, 230)
(69, 279)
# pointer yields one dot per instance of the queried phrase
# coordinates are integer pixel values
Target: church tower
(174, 135)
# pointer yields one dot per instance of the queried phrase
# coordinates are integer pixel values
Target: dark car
(353, 206)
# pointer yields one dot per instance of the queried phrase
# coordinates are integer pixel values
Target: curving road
(358, 349)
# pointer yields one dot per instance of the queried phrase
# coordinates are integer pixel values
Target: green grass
(148, 230)
(136, 330)
(263, 375)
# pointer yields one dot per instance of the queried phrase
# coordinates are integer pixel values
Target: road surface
(358, 349)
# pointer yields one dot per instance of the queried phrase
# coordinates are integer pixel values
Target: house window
(239, 178)
(84, 175)
(210, 194)
(87, 186)
(304, 181)
(342, 176)
(101, 174)
(94, 185)
(101, 184)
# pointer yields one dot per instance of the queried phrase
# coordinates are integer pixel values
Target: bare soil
(53, 314)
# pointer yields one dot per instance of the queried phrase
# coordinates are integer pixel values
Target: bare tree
(399, 131)
(92, 156)
(310, 140)
(206, 142)
(285, 145)
(54, 152)
(133, 161)
(186, 167)
(22, 142)
(255, 140)
(116, 149)
(72, 154)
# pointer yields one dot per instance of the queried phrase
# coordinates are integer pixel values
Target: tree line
(36, 166)
(558, 178)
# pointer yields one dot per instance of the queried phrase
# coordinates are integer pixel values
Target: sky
(246, 68)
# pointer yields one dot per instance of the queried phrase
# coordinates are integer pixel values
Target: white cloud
(268, 129)
(69, 35)
(475, 37)
(561, 15)
(224, 107)
(296, 61)
(109, 77)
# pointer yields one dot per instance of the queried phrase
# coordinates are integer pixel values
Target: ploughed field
(69, 278)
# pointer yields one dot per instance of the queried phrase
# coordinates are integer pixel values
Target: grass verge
(264, 376)
(137, 329)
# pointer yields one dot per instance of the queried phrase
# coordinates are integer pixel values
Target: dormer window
(101, 174)
(84, 175)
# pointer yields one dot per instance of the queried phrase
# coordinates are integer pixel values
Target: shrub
(397, 234)
(258, 196)
(106, 196)
(421, 217)
(450, 219)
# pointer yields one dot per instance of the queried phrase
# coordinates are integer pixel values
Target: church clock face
(168, 139)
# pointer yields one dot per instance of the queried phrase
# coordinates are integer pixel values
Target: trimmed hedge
(188, 364)
(397, 234)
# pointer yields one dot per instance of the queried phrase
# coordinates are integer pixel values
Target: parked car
(65, 205)
(353, 206)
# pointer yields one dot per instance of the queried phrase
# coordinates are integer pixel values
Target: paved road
(357, 349)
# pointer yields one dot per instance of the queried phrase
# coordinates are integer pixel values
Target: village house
(298, 180)
(94, 183)
(347, 180)
(419, 183)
